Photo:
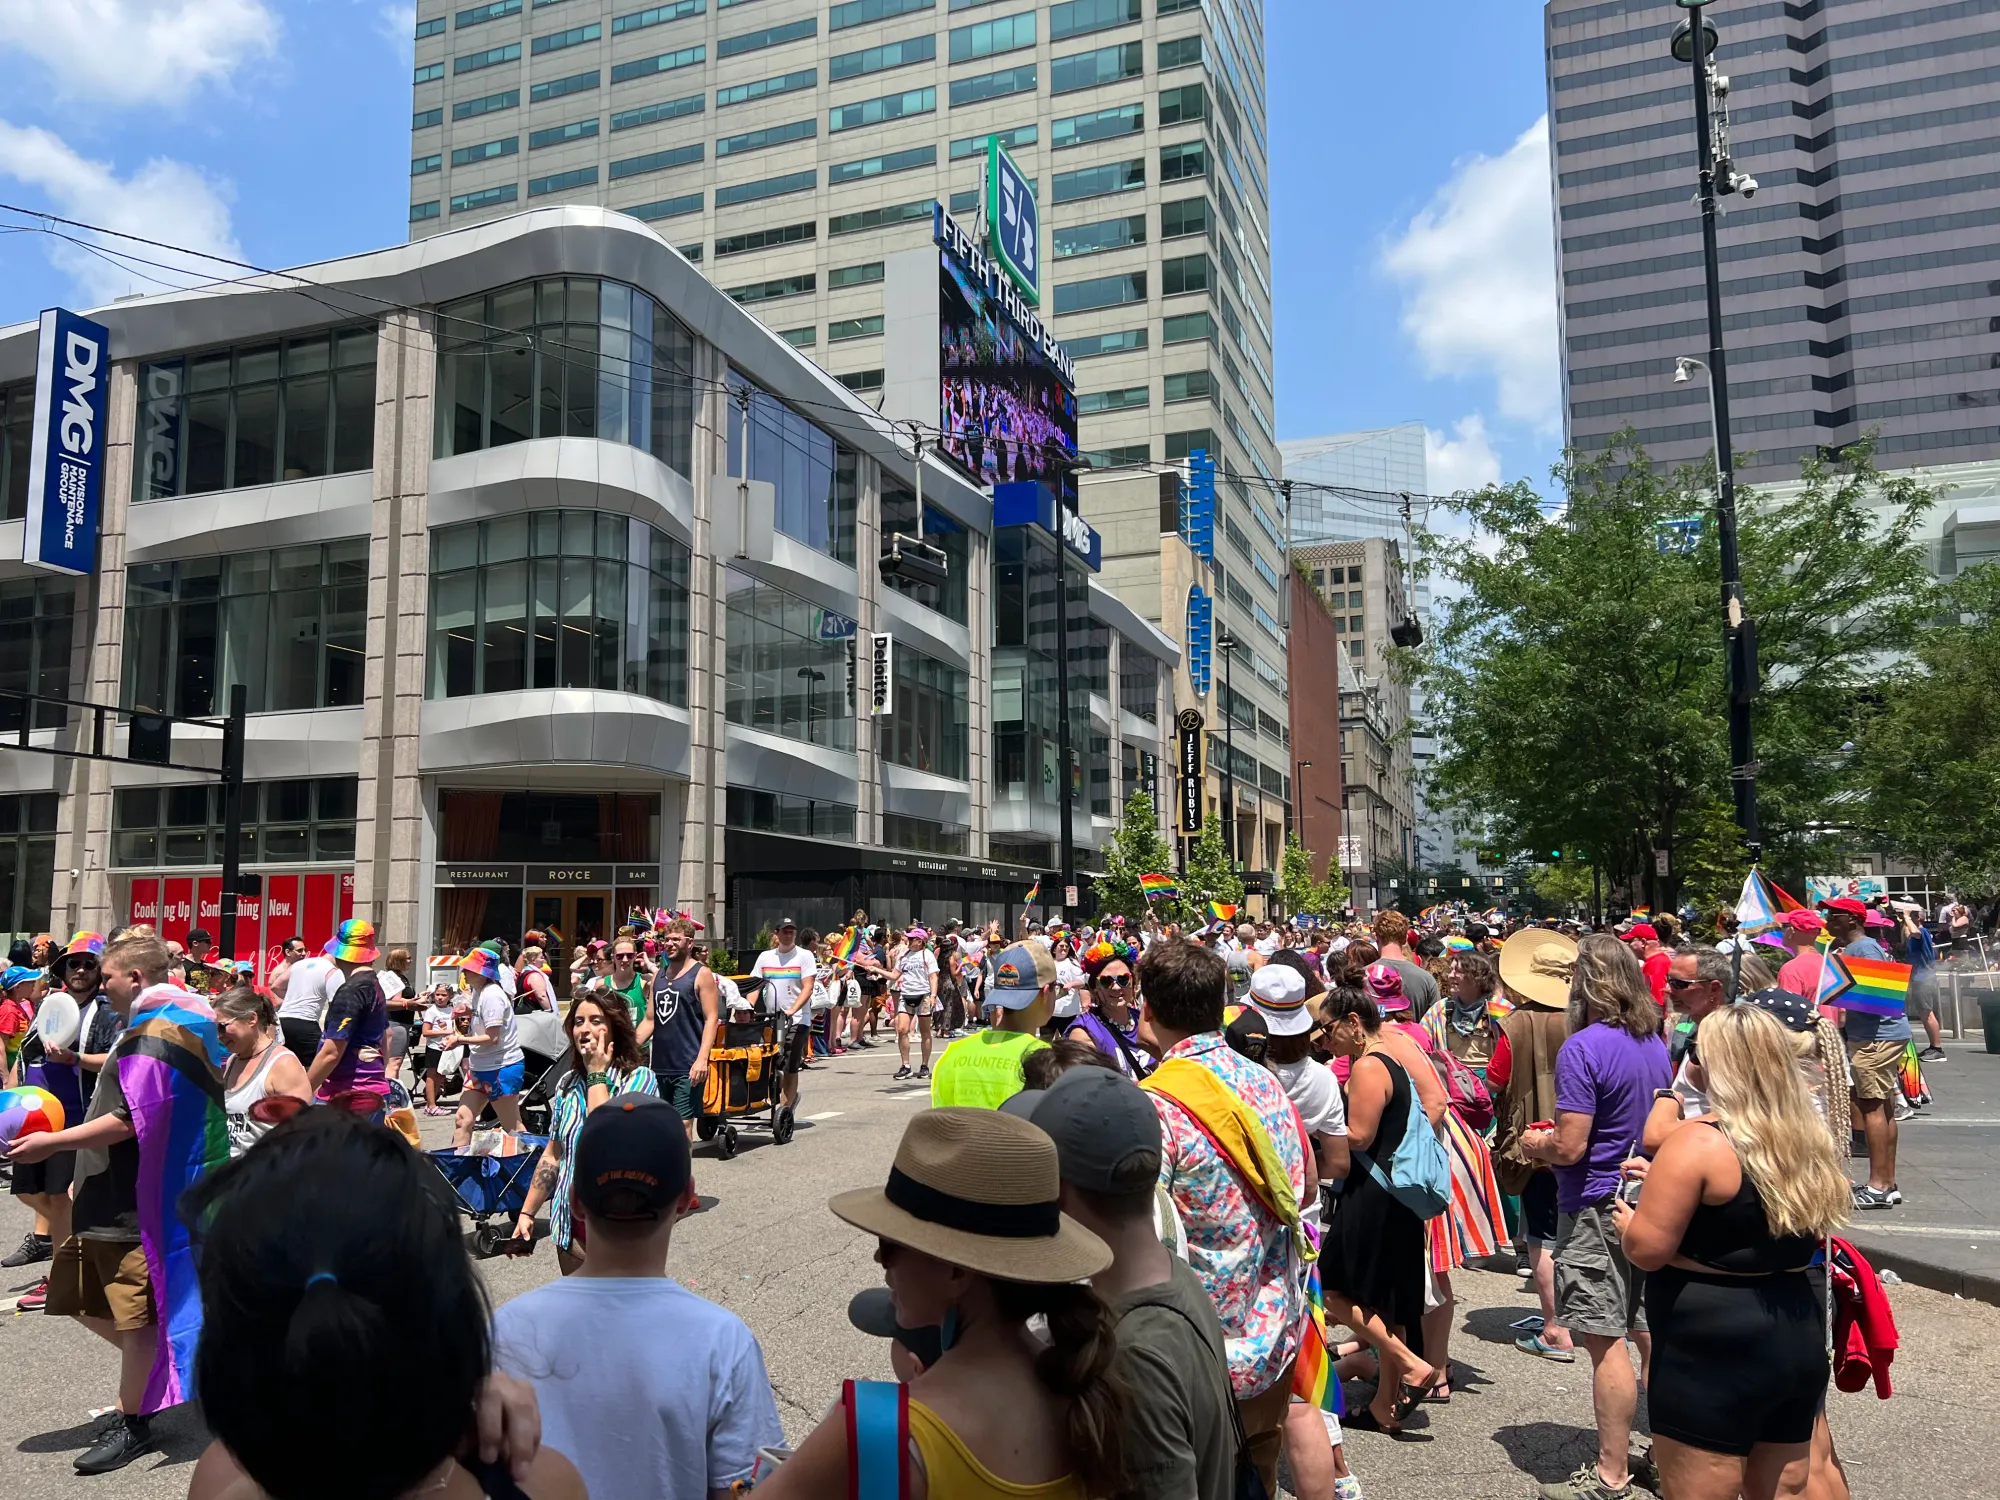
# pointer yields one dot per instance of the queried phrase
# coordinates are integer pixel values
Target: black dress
(1374, 1248)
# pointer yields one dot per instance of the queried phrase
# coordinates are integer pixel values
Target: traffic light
(1555, 856)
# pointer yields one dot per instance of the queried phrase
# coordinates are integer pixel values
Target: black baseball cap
(1106, 1130)
(632, 1160)
(874, 1312)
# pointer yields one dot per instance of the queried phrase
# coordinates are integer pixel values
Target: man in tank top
(681, 1023)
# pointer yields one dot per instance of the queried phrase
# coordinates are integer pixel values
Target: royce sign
(1190, 725)
(543, 876)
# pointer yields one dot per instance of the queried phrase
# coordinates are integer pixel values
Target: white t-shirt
(437, 1013)
(648, 1388)
(308, 987)
(493, 1014)
(1310, 1085)
(785, 972)
(914, 971)
(1069, 1002)
(1269, 945)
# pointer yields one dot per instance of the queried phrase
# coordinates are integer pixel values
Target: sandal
(1363, 1420)
(1536, 1345)
(1413, 1396)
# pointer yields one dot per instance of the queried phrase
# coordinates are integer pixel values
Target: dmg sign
(66, 464)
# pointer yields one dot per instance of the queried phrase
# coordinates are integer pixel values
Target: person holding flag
(1858, 978)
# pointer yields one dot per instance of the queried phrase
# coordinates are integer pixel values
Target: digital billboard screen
(1007, 409)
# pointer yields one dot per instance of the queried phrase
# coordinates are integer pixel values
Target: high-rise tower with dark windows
(1861, 282)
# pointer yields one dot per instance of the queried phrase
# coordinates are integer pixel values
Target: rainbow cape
(1877, 986)
(1761, 906)
(169, 1063)
(1221, 911)
(1158, 885)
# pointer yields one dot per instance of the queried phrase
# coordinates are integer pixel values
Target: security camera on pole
(1719, 175)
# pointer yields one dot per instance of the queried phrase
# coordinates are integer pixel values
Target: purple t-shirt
(1609, 1074)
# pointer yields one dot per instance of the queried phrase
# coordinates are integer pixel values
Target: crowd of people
(1184, 1206)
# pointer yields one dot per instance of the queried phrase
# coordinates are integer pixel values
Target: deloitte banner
(66, 466)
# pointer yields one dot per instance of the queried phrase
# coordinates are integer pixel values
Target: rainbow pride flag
(1761, 906)
(1313, 1379)
(1221, 911)
(1876, 986)
(1034, 893)
(169, 1064)
(1158, 885)
(841, 947)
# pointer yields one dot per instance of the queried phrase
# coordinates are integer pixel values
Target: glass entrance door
(577, 917)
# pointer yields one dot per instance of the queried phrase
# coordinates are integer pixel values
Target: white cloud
(129, 52)
(1463, 461)
(397, 24)
(163, 200)
(1478, 265)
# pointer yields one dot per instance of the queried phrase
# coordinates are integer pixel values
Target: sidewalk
(1947, 1233)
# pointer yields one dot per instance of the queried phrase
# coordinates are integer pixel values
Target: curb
(1974, 1286)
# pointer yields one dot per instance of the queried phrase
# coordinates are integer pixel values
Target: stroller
(490, 1186)
(544, 1049)
(744, 1073)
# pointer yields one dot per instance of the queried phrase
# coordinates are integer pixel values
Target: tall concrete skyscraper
(1859, 290)
(788, 146)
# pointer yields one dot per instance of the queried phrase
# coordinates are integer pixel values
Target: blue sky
(1413, 272)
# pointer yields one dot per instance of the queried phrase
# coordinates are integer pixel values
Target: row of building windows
(284, 822)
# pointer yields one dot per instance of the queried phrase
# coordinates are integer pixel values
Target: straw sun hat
(1536, 964)
(978, 1188)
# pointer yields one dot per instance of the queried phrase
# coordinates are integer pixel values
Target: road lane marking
(827, 1114)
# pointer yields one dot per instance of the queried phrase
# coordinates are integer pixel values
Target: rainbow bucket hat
(353, 942)
(484, 962)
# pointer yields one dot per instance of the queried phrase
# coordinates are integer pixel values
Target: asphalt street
(766, 1247)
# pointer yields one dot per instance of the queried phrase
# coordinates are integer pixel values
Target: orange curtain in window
(471, 825)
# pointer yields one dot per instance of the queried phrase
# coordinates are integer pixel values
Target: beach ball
(25, 1111)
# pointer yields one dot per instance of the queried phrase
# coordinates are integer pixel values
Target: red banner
(208, 907)
(145, 903)
(319, 899)
(176, 908)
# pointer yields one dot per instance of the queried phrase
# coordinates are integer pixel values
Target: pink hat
(1804, 921)
(1877, 918)
(1386, 985)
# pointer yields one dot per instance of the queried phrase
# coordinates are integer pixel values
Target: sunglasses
(1114, 981)
(1675, 983)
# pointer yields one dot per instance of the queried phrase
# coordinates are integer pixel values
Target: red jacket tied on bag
(1864, 1329)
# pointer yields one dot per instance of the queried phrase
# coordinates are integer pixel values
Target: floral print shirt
(1244, 1256)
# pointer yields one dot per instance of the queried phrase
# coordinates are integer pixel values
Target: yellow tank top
(952, 1473)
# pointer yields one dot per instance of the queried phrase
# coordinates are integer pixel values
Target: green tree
(1928, 758)
(1561, 888)
(1210, 875)
(1575, 681)
(1137, 848)
(1304, 891)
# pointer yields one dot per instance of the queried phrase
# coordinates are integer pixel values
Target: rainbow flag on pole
(1221, 911)
(842, 947)
(1034, 893)
(1158, 885)
(1313, 1379)
(1761, 906)
(1877, 986)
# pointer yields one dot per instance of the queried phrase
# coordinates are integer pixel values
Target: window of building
(562, 135)
(284, 822)
(576, 83)
(1107, 234)
(651, 114)
(423, 166)
(1103, 291)
(558, 599)
(1084, 70)
(27, 860)
(984, 86)
(780, 812)
(560, 41)
(924, 836)
(1340, 624)
(899, 517)
(990, 38)
(875, 111)
(492, 57)
(928, 730)
(37, 616)
(1354, 575)
(861, 12)
(1190, 159)
(881, 166)
(800, 338)
(467, 109)
(670, 208)
(665, 62)
(1181, 444)
(772, 290)
(1180, 52)
(862, 382)
(657, 15)
(1139, 682)
(1185, 328)
(1190, 385)
(816, 478)
(466, 156)
(766, 88)
(1355, 624)
(1091, 403)
(1097, 767)
(433, 27)
(880, 218)
(1079, 17)
(571, 357)
(975, 145)
(769, 36)
(767, 187)
(1189, 273)
(911, 49)
(1099, 181)
(480, 14)
(423, 119)
(562, 182)
(1098, 125)
(841, 329)
(428, 73)
(1184, 217)
(506, 192)
(769, 135)
(1135, 455)
(1354, 649)
(422, 211)
(1184, 105)
(787, 665)
(290, 625)
(1125, 341)
(861, 275)
(766, 239)
(296, 408)
(656, 161)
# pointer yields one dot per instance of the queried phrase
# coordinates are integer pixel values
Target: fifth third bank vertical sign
(66, 466)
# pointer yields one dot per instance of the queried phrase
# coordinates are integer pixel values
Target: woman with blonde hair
(1727, 1225)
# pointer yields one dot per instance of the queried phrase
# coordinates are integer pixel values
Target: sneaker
(1933, 1054)
(34, 1249)
(35, 1298)
(1895, 1195)
(1900, 1110)
(1586, 1484)
(128, 1440)
(902, 1072)
(924, 1071)
(1347, 1487)
(1874, 1197)
(1645, 1473)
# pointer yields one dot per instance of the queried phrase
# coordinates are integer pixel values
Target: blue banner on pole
(66, 463)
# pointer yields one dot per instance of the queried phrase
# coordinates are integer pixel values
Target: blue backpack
(1419, 1173)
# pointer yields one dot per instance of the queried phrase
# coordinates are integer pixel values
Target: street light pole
(1694, 40)
(1226, 644)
